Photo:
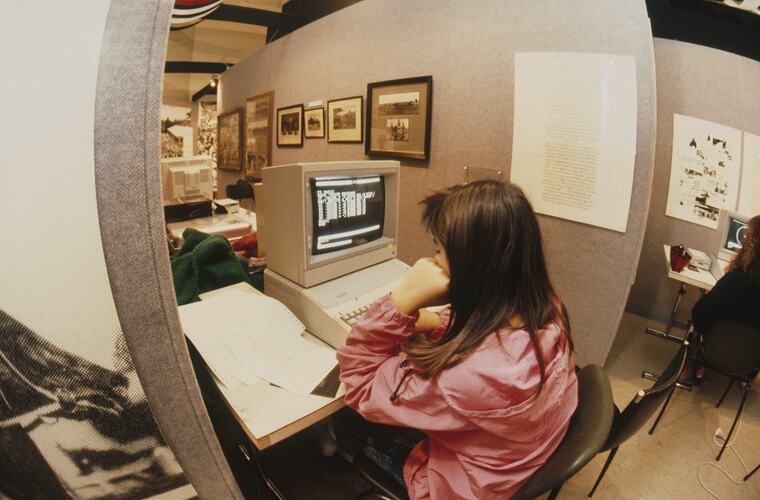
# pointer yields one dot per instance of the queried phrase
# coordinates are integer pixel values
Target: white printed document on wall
(749, 197)
(704, 170)
(574, 139)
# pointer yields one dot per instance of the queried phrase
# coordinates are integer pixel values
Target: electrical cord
(716, 437)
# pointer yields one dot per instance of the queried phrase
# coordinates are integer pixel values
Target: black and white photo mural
(75, 427)
(74, 420)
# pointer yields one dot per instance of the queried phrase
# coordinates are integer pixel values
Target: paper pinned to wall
(704, 170)
(749, 197)
(574, 139)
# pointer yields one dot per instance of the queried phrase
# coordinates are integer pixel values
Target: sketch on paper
(704, 172)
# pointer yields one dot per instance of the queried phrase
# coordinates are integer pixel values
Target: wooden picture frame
(290, 126)
(399, 118)
(259, 113)
(314, 123)
(344, 120)
(229, 144)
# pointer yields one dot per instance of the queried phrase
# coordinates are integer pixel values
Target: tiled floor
(663, 466)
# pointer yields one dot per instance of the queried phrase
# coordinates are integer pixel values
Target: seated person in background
(736, 295)
(493, 385)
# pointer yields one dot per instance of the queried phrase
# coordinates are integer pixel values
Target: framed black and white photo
(344, 119)
(399, 118)
(290, 126)
(314, 123)
(229, 144)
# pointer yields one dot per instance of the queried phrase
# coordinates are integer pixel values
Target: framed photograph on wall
(344, 119)
(314, 123)
(228, 141)
(398, 118)
(290, 126)
(259, 111)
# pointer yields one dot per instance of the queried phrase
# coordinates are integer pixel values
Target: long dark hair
(497, 271)
(747, 260)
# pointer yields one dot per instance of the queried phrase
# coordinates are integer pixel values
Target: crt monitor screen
(735, 234)
(347, 211)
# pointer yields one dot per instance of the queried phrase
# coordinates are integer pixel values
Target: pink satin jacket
(487, 428)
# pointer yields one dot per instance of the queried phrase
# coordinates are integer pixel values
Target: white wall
(469, 48)
(712, 85)
(52, 271)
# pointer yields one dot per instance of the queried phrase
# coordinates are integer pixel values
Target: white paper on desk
(263, 338)
(201, 326)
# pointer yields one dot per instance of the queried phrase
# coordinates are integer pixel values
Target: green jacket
(204, 263)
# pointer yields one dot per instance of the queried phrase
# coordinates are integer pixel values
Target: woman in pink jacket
(491, 383)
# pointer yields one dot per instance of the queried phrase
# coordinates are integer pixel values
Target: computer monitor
(732, 228)
(187, 179)
(319, 221)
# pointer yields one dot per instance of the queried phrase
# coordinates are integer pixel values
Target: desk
(704, 280)
(230, 226)
(268, 414)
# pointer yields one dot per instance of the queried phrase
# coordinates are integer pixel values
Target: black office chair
(642, 407)
(585, 436)
(384, 486)
(240, 191)
(732, 349)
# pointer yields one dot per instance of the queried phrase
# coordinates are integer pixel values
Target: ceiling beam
(259, 17)
(213, 68)
(207, 90)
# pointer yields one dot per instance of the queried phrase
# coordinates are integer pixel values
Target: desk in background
(231, 226)
(704, 280)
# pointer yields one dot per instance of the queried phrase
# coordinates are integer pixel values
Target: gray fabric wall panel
(469, 49)
(711, 85)
(127, 144)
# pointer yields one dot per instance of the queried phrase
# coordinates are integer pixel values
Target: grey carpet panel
(127, 144)
(711, 85)
(469, 49)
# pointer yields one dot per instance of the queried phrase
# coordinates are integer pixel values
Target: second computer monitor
(319, 221)
(732, 228)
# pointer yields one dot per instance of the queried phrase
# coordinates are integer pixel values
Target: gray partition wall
(712, 85)
(468, 47)
(127, 147)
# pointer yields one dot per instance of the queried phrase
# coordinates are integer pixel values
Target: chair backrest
(732, 348)
(242, 189)
(646, 402)
(585, 436)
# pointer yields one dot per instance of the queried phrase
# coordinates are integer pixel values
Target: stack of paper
(244, 337)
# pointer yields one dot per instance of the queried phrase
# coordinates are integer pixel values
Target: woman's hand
(426, 284)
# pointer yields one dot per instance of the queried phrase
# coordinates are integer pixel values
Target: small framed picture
(314, 123)
(258, 134)
(399, 118)
(290, 126)
(229, 146)
(344, 119)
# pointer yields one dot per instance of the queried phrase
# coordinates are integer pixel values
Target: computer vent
(284, 284)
